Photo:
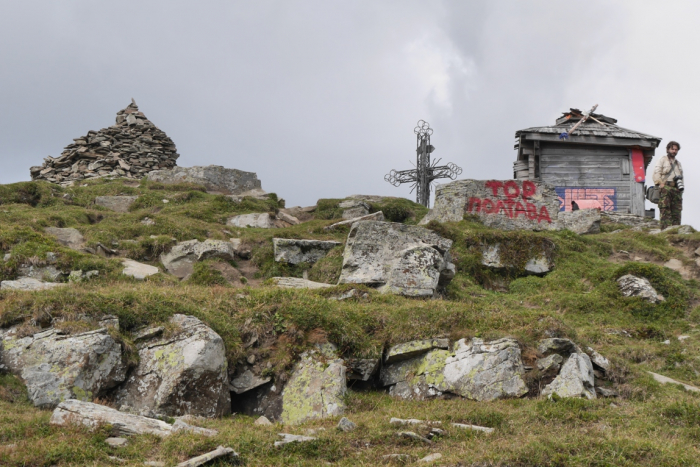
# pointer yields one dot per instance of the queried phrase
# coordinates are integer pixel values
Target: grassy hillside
(649, 424)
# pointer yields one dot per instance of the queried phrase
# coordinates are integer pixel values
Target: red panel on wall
(638, 165)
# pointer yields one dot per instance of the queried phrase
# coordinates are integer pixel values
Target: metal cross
(425, 172)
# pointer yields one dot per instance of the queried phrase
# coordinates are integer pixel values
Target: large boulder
(315, 390)
(56, 367)
(476, 370)
(116, 203)
(575, 379)
(214, 177)
(179, 261)
(293, 251)
(68, 237)
(484, 370)
(502, 204)
(182, 374)
(633, 286)
(397, 258)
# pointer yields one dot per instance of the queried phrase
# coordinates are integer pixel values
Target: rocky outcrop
(181, 374)
(67, 237)
(315, 390)
(412, 349)
(116, 203)
(55, 366)
(179, 261)
(138, 270)
(293, 251)
(633, 286)
(130, 148)
(575, 379)
(502, 204)
(215, 178)
(29, 284)
(396, 258)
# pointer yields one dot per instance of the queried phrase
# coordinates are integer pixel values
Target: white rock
(473, 427)
(289, 438)
(666, 380)
(138, 270)
(431, 458)
(632, 286)
(258, 220)
(262, 420)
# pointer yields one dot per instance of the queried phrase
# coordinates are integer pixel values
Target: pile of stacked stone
(131, 148)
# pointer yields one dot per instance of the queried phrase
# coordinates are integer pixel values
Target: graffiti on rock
(518, 201)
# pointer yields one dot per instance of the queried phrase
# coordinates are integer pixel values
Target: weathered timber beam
(600, 140)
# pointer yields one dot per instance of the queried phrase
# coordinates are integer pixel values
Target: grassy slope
(649, 425)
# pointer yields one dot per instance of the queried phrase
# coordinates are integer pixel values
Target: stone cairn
(131, 148)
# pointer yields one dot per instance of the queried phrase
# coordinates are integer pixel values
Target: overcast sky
(320, 98)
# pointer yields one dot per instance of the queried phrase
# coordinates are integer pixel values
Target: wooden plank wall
(593, 166)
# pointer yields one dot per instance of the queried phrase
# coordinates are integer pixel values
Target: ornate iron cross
(425, 172)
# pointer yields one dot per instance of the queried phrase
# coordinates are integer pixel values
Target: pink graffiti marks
(516, 202)
(607, 197)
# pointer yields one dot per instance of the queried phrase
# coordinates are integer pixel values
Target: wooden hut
(599, 161)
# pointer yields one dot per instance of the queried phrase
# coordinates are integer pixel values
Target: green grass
(650, 424)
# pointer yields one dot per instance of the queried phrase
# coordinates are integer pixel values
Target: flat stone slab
(414, 348)
(138, 270)
(298, 283)
(293, 251)
(247, 381)
(116, 203)
(93, 415)
(666, 380)
(215, 178)
(29, 284)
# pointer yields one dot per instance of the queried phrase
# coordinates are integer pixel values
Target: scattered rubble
(131, 148)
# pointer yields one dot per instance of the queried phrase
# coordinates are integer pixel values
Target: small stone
(606, 392)
(598, 360)
(414, 436)
(473, 427)
(431, 458)
(91, 274)
(346, 425)
(117, 442)
(262, 420)
(75, 276)
(7, 257)
(148, 221)
(138, 270)
(682, 338)
(166, 201)
(667, 342)
(289, 438)
(251, 359)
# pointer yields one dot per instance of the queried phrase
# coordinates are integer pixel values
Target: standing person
(668, 175)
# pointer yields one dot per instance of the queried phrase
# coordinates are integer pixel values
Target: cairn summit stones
(131, 148)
